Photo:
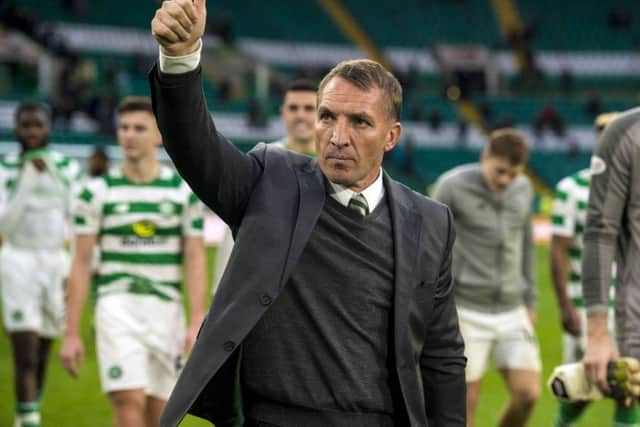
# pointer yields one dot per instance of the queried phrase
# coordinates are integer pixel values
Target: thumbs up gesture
(178, 26)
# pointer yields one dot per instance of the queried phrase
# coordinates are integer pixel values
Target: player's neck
(301, 146)
(141, 171)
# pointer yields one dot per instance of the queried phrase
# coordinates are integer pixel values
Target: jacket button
(229, 345)
(265, 299)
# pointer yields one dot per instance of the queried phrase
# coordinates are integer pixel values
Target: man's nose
(340, 133)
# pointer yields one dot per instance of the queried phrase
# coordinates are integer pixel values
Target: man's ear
(393, 136)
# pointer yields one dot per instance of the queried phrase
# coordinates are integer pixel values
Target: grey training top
(493, 256)
(613, 224)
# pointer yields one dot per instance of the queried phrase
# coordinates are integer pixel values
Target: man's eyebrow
(362, 116)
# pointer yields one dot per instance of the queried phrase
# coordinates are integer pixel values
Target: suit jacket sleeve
(217, 172)
(442, 361)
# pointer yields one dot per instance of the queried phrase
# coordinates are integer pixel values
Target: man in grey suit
(336, 308)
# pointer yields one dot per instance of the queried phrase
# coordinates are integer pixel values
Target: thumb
(200, 6)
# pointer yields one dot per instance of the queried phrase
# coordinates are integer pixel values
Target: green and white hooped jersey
(568, 220)
(35, 205)
(140, 229)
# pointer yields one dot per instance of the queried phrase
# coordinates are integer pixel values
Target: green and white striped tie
(359, 204)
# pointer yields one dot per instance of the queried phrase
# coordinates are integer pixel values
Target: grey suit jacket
(271, 198)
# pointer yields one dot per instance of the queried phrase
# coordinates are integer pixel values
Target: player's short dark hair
(301, 85)
(510, 144)
(130, 104)
(30, 107)
(100, 153)
(367, 74)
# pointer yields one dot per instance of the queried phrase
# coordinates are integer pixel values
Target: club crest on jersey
(144, 228)
(115, 372)
(166, 208)
(598, 165)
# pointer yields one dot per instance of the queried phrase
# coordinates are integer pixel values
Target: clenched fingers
(171, 23)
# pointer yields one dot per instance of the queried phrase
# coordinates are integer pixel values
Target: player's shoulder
(10, 161)
(624, 129)
(575, 182)
(93, 189)
(69, 166)
(170, 176)
(462, 173)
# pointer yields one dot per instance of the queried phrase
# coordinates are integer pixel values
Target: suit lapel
(312, 197)
(407, 227)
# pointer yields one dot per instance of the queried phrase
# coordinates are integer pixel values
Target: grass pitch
(80, 403)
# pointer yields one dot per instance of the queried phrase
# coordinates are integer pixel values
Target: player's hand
(192, 335)
(533, 316)
(599, 352)
(178, 26)
(39, 164)
(72, 354)
(571, 321)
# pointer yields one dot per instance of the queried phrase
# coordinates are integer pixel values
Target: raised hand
(178, 26)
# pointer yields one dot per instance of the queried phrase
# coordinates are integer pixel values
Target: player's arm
(194, 264)
(72, 349)
(442, 361)
(528, 264)
(87, 211)
(610, 182)
(195, 275)
(559, 259)
(562, 236)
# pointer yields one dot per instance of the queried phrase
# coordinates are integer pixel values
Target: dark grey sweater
(320, 355)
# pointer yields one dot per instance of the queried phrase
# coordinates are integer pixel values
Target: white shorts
(508, 338)
(139, 342)
(573, 347)
(33, 289)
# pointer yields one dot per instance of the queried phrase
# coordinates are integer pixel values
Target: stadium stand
(588, 68)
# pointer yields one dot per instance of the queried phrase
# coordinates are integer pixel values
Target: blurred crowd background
(545, 67)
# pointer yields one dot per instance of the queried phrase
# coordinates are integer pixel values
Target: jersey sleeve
(87, 207)
(193, 215)
(74, 176)
(563, 215)
(14, 204)
(610, 182)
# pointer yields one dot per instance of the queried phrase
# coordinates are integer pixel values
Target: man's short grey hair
(367, 74)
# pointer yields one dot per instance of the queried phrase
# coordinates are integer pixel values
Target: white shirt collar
(373, 193)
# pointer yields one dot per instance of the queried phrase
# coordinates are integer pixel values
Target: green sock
(568, 413)
(626, 417)
(28, 414)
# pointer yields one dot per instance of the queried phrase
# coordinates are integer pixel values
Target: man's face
(138, 134)
(353, 131)
(32, 129)
(298, 113)
(498, 172)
